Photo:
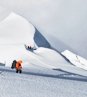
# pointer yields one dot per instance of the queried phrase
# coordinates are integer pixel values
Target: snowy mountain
(75, 59)
(15, 33)
(63, 23)
(55, 66)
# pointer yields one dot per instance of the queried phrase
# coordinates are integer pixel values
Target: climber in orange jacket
(19, 66)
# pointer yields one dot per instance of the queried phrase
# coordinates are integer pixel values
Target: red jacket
(18, 65)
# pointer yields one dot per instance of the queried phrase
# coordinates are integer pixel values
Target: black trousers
(18, 71)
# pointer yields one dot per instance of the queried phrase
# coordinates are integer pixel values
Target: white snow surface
(14, 29)
(18, 32)
(62, 22)
(45, 72)
(41, 83)
(75, 59)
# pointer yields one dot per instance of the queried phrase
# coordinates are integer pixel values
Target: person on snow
(19, 66)
(29, 47)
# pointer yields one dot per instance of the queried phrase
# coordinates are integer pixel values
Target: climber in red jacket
(19, 66)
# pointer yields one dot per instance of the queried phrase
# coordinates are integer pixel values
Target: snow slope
(75, 59)
(19, 32)
(45, 72)
(63, 23)
(16, 30)
(41, 83)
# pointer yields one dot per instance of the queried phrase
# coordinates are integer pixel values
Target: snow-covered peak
(75, 59)
(15, 29)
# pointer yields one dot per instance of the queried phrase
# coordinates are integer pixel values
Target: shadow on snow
(40, 40)
(65, 75)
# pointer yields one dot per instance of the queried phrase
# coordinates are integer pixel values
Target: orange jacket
(18, 65)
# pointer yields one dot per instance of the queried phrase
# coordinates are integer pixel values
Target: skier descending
(19, 66)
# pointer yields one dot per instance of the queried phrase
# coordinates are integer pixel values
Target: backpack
(14, 64)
